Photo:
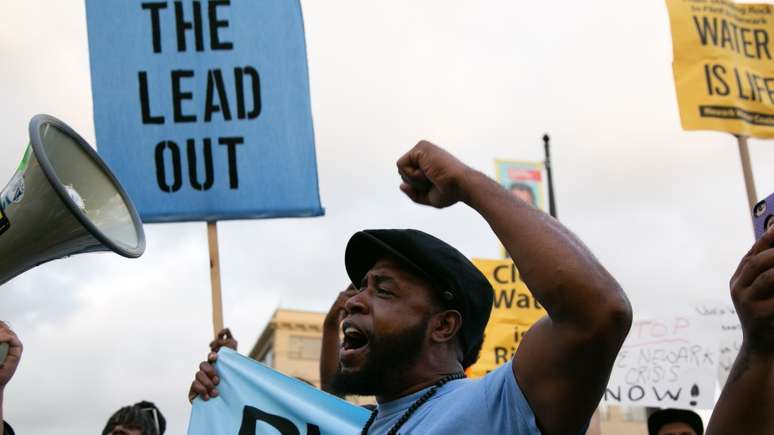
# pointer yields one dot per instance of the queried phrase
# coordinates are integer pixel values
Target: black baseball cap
(662, 417)
(461, 285)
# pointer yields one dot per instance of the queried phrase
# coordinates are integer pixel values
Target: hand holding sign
(745, 403)
(205, 380)
(752, 290)
(11, 362)
(223, 338)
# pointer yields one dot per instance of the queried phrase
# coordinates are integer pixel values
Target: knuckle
(767, 278)
(745, 307)
(763, 282)
(736, 294)
(751, 264)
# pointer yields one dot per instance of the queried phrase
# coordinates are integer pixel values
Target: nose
(357, 303)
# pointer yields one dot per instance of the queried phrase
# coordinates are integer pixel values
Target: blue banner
(201, 108)
(255, 399)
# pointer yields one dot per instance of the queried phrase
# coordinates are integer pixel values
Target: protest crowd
(213, 99)
(413, 320)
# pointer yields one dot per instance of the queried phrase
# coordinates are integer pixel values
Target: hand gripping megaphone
(63, 200)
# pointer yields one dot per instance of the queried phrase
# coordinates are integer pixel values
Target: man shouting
(418, 316)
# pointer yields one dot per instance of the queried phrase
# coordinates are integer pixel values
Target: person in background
(142, 418)
(675, 422)
(331, 342)
(524, 192)
(8, 367)
(329, 354)
(746, 404)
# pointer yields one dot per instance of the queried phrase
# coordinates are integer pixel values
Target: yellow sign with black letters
(723, 65)
(513, 313)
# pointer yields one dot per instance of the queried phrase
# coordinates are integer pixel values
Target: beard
(389, 358)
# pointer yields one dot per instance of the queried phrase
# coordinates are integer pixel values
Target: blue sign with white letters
(202, 109)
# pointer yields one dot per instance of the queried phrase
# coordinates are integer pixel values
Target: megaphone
(63, 200)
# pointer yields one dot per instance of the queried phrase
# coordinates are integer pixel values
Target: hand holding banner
(255, 399)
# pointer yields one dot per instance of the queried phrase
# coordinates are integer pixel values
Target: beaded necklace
(414, 406)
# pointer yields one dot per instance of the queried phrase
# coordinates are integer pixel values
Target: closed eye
(378, 282)
(384, 292)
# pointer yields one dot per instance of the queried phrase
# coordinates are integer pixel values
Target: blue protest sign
(201, 108)
(255, 399)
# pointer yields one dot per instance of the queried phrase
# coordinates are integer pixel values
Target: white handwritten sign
(666, 362)
(728, 331)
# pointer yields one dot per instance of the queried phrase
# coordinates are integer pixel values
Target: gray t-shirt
(492, 405)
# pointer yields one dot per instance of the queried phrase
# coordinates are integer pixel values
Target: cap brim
(364, 250)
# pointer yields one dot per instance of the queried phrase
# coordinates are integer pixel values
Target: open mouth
(354, 339)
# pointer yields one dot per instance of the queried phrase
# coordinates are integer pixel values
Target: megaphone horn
(63, 200)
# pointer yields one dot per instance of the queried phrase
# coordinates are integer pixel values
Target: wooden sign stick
(749, 181)
(217, 299)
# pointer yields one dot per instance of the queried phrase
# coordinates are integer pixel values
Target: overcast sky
(664, 210)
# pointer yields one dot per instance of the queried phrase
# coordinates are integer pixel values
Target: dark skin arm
(746, 404)
(207, 378)
(564, 362)
(8, 367)
(329, 352)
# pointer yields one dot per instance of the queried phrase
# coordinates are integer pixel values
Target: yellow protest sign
(513, 313)
(723, 68)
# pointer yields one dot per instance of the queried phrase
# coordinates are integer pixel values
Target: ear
(445, 326)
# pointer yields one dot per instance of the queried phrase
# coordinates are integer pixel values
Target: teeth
(353, 338)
